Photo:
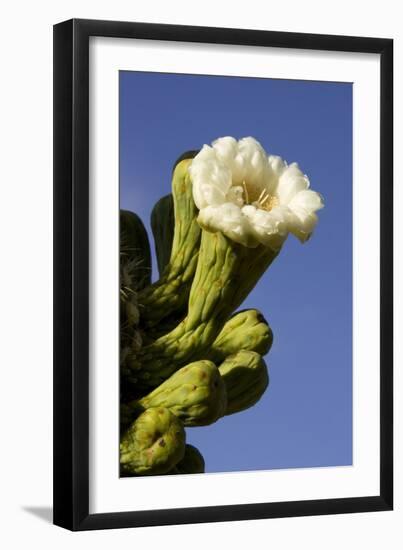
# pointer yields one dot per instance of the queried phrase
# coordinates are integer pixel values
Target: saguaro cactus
(186, 358)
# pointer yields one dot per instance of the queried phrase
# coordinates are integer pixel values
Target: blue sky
(305, 417)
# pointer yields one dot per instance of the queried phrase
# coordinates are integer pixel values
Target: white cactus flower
(251, 197)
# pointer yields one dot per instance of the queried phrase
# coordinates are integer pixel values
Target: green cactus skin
(245, 330)
(226, 273)
(170, 293)
(191, 463)
(246, 378)
(134, 250)
(162, 225)
(153, 444)
(195, 393)
(163, 222)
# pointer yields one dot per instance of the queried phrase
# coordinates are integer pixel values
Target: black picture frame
(71, 274)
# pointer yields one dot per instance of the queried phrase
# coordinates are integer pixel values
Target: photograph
(235, 273)
(223, 267)
(207, 259)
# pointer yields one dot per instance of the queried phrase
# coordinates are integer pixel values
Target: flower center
(265, 201)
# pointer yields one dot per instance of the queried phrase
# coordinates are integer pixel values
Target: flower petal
(226, 148)
(302, 223)
(228, 219)
(291, 182)
(278, 165)
(212, 194)
(270, 228)
(206, 170)
(309, 200)
(235, 195)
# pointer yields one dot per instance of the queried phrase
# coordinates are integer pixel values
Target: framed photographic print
(223, 274)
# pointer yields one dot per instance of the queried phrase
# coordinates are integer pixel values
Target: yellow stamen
(265, 198)
(262, 194)
(265, 201)
(273, 202)
(246, 192)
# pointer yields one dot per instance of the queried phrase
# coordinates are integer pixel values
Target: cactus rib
(170, 293)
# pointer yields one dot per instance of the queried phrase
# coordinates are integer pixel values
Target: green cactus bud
(195, 393)
(246, 330)
(226, 272)
(153, 444)
(162, 225)
(135, 252)
(191, 463)
(170, 293)
(246, 378)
